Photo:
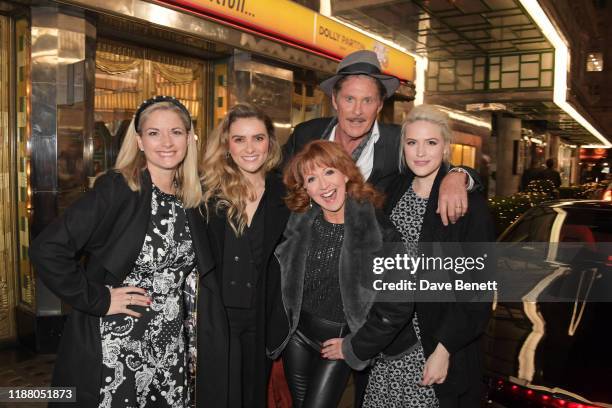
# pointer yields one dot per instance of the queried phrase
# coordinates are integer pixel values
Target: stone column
(575, 173)
(508, 160)
(62, 86)
(552, 147)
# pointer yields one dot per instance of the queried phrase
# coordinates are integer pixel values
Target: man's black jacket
(386, 149)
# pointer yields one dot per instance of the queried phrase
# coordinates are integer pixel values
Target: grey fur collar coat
(365, 230)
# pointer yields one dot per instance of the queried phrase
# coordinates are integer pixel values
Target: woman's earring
(310, 203)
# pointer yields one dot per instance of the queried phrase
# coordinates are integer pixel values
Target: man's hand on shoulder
(452, 200)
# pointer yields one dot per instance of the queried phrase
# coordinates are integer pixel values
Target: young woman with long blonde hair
(443, 370)
(246, 217)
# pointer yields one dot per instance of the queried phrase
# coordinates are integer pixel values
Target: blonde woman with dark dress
(123, 343)
(444, 368)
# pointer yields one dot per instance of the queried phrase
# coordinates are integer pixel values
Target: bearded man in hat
(358, 91)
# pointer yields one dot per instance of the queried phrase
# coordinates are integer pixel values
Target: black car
(604, 193)
(555, 353)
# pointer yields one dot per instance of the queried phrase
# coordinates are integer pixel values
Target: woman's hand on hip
(436, 366)
(126, 296)
(332, 349)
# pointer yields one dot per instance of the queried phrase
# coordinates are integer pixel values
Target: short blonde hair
(131, 161)
(430, 114)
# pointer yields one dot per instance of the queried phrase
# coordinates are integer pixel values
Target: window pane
(530, 83)
(432, 69)
(494, 73)
(509, 80)
(456, 154)
(479, 74)
(534, 227)
(547, 61)
(464, 82)
(530, 57)
(432, 84)
(469, 156)
(447, 76)
(510, 63)
(546, 78)
(464, 67)
(594, 62)
(529, 70)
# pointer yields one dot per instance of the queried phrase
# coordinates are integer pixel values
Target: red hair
(322, 153)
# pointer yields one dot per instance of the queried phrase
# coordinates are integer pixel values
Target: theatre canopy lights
(561, 68)
(463, 117)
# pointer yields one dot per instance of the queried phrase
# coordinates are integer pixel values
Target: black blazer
(386, 149)
(212, 380)
(108, 225)
(458, 326)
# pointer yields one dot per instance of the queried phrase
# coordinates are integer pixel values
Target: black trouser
(315, 382)
(241, 357)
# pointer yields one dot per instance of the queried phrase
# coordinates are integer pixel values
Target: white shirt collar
(366, 160)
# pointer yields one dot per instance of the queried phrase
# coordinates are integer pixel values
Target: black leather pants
(314, 382)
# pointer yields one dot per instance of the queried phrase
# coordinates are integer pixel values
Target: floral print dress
(144, 360)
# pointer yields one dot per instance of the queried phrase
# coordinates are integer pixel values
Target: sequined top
(322, 296)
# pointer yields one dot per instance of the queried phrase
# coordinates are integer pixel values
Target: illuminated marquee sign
(293, 23)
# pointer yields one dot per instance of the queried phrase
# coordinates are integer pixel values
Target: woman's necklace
(420, 190)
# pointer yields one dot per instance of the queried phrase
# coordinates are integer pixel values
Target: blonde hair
(131, 161)
(430, 114)
(221, 178)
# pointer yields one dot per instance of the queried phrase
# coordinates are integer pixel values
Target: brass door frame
(8, 166)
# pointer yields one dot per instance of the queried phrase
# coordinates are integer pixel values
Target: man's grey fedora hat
(362, 62)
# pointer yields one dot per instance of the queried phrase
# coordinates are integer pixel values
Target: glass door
(125, 76)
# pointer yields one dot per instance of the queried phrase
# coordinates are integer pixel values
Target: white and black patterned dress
(395, 383)
(144, 359)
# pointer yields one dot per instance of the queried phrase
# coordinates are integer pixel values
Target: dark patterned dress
(395, 383)
(144, 360)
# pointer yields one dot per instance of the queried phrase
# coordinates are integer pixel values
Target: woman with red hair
(334, 225)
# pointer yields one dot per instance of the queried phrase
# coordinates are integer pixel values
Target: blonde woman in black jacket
(246, 217)
(123, 343)
(444, 368)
